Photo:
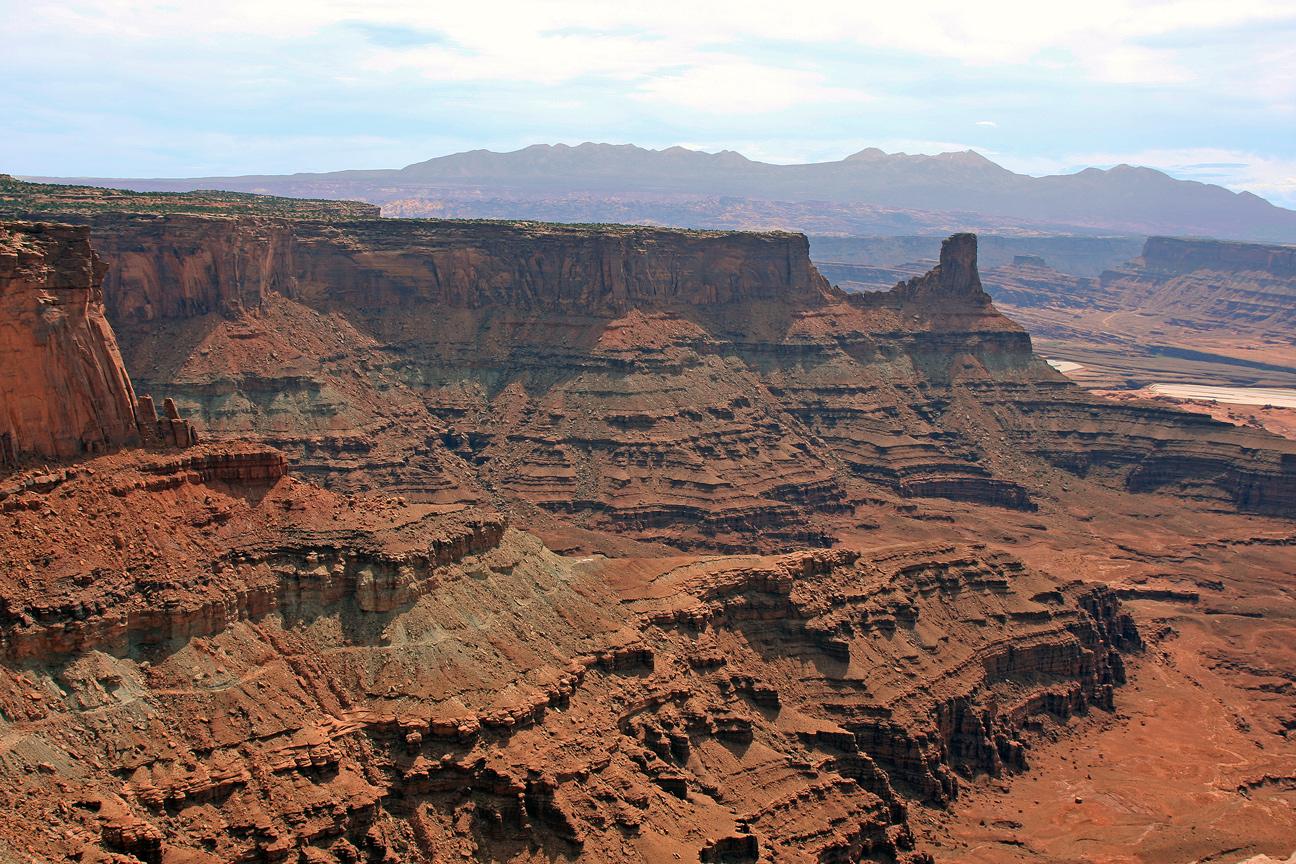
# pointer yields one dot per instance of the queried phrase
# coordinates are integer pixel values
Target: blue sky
(1204, 89)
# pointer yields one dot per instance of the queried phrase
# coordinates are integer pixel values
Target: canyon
(700, 388)
(1182, 311)
(510, 541)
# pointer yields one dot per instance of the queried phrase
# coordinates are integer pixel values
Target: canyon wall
(1185, 311)
(1177, 255)
(63, 388)
(188, 266)
(697, 388)
(183, 266)
(203, 658)
(1209, 283)
(299, 675)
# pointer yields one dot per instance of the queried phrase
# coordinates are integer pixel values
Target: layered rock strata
(303, 676)
(1182, 312)
(1248, 283)
(697, 388)
(203, 658)
(1211, 282)
(63, 387)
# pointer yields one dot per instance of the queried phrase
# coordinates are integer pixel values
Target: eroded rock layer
(63, 388)
(696, 388)
(1210, 282)
(303, 676)
(1183, 312)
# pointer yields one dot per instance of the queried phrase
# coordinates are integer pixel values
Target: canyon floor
(1118, 349)
(1195, 763)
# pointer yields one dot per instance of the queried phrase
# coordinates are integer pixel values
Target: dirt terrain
(846, 578)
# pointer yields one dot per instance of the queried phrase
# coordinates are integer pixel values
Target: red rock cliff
(551, 267)
(655, 381)
(1176, 255)
(182, 266)
(63, 388)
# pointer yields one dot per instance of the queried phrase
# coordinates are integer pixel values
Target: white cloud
(1133, 64)
(558, 39)
(739, 86)
(1119, 75)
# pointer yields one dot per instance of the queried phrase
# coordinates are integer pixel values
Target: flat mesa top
(24, 199)
(21, 196)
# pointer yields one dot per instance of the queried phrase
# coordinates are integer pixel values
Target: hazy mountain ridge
(728, 213)
(1123, 198)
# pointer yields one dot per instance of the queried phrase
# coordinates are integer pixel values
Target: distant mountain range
(867, 192)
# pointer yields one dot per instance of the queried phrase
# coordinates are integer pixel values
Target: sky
(1202, 89)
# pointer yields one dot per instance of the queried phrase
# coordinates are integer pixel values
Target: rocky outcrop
(954, 280)
(346, 678)
(64, 390)
(853, 605)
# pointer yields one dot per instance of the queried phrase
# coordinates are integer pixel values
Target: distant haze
(154, 88)
(869, 192)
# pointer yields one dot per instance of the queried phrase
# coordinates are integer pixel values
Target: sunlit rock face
(63, 388)
(693, 387)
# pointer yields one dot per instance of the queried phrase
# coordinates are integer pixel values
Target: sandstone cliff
(204, 658)
(63, 388)
(700, 388)
(183, 266)
(201, 657)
